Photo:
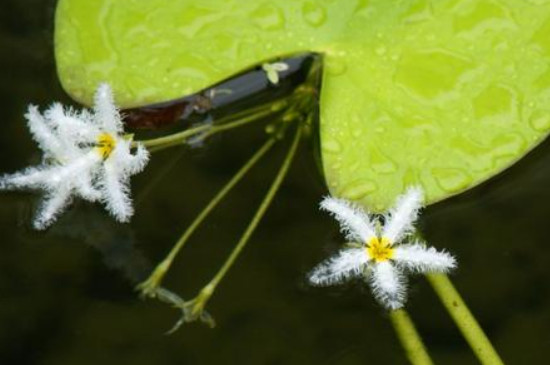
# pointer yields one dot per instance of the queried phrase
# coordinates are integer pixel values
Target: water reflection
(116, 242)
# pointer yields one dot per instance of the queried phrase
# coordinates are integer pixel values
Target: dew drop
(382, 164)
(331, 146)
(314, 14)
(485, 16)
(380, 51)
(540, 120)
(507, 146)
(451, 180)
(359, 189)
(495, 100)
(430, 73)
(268, 17)
(335, 65)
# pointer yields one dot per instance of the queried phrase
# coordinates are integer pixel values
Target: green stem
(238, 123)
(219, 197)
(210, 287)
(149, 287)
(193, 309)
(410, 338)
(173, 139)
(464, 319)
(237, 120)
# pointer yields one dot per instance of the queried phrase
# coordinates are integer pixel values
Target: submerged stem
(149, 287)
(464, 319)
(260, 212)
(410, 338)
(194, 308)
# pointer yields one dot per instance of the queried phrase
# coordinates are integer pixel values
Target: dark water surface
(66, 295)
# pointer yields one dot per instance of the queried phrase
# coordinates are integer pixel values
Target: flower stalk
(463, 318)
(194, 309)
(409, 338)
(207, 130)
(150, 286)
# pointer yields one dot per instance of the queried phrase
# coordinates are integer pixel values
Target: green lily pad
(444, 94)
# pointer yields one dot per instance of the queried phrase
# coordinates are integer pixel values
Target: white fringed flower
(85, 154)
(381, 257)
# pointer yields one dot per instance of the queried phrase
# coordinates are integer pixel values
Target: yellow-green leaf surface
(439, 93)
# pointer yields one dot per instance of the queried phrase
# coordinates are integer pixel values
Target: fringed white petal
(388, 285)
(30, 178)
(354, 222)
(116, 192)
(421, 259)
(86, 188)
(71, 125)
(347, 263)
(70, 173)
(43, 133)
(128, 163)
(54, 204)
(106, 112)
(400, 220)
(138, 161)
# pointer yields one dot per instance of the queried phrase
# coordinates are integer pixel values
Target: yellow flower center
(379, 249)
(105, 145)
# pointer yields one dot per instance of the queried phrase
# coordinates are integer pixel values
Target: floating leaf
(439, 93)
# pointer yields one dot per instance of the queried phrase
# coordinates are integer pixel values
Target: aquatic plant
(404, 99)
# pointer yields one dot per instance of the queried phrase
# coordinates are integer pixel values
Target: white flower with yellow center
(85, 154)
(380, 253)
